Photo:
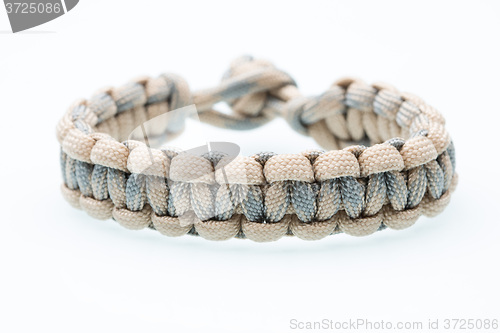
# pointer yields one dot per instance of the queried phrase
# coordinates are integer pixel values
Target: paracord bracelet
(349, 188)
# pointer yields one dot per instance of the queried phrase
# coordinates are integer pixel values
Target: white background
(62, 271)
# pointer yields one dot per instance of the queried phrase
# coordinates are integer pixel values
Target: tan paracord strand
(389, 159)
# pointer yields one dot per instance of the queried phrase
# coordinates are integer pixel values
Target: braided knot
(253, 88)
(253, 85)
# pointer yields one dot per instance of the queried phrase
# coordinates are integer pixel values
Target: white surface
(63, 271)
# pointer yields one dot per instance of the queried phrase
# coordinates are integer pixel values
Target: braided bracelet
(348, 188)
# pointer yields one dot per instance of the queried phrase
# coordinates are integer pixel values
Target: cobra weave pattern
(387, 160)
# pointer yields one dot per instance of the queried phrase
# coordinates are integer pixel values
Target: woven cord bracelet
(408, 169)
